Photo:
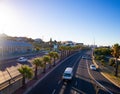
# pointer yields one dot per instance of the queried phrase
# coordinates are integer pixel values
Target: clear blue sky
(77, 20)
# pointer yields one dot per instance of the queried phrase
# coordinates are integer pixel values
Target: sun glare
(7, 17)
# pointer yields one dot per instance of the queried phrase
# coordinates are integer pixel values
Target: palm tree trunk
(35, 72)
(54, 62)
(116, 67)
(61, 55)
(23, 82)
(44, 69)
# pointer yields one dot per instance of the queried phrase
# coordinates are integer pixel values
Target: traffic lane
(54, 79)
(102, 80)
(67, 87)
(9, 68)
(80, 84)
(13, 60)
(83, 79)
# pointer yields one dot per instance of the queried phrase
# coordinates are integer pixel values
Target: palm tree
(26, 72)
(51, 56)
(116, 54)
(38, 63)
(61, 54)
(55, 55)
(45, 60)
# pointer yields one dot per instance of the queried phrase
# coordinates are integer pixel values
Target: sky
(84, 21)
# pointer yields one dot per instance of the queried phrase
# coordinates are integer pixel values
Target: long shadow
(111, 87)
(82, 87)
(27, 63)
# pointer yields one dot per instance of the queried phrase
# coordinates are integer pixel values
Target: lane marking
(76, 61)
(59, 82)
(96, 80)
(53, 91)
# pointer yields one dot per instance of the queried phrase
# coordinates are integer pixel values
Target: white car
(68, 73)
(83, 57)
(22, 59)
(92, 67)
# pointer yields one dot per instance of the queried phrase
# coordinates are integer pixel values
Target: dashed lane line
(53, 91)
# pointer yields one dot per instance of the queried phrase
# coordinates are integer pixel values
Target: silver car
(92, 67)
(22, 59)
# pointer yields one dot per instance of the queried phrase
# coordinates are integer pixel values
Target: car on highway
(22, 59)
(84, 57)
(92, 67)
(68, 74)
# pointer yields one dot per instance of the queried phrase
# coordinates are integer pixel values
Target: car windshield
(66, 74)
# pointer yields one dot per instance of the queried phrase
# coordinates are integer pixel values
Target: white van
(68, 74)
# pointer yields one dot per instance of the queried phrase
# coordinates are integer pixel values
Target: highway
(9, 67)
(85, 81)
(82, 82)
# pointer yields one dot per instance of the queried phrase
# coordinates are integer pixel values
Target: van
(68, 74)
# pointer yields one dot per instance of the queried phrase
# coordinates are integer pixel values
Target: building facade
(13, 47)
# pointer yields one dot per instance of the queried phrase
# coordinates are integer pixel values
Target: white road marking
(96, 80)
(53, 91)
(59, 82)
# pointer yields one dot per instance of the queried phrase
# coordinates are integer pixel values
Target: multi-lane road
(9, 67)
(85, 81)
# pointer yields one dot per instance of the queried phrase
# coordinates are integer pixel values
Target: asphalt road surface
(82, 82)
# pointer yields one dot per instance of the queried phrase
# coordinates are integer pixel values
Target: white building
(12, 47)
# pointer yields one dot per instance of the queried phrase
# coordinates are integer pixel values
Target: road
(82, 82)
(101, 80)
(9, 67)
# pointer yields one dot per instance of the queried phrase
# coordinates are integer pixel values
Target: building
(69, 43)
(8, 47)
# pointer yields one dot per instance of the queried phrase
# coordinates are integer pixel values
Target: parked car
(92, 67)
(68, 74)
(22, 59)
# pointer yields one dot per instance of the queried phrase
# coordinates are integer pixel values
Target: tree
(112, 62)
(116, 54)
(38, 63)
(45, 60)
(55, 55)
(26, 72)
(61, 48)
(51, 56)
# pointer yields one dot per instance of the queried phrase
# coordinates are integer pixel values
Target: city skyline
(83, 21)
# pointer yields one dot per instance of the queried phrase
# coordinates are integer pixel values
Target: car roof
(92, 65)
(68, 70)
